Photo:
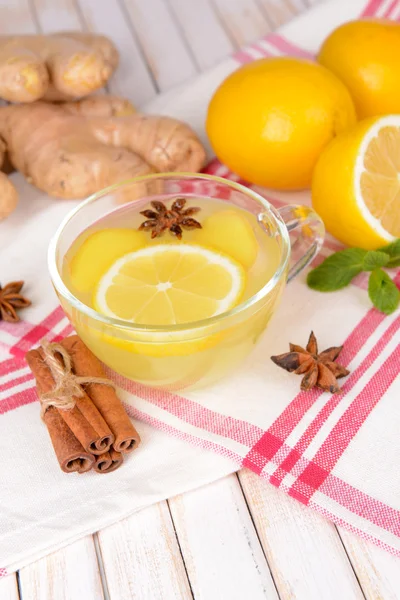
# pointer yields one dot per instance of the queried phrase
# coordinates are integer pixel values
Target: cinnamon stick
(69, 451)
(103, 397)
(109, 461)
(88, 425)
(84, 420)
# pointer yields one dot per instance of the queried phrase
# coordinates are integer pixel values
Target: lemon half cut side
(377, 178)
(356, 184)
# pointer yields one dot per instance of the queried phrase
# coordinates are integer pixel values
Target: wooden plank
(56, 16)
(132, 78)
(378, 571)
(242, 19)
(278, 12)
(69, 573)
(219, 544)
(141, 557)
(203, 31)
(167, 54)
(304, 551)
(9, 588)
(16, 17)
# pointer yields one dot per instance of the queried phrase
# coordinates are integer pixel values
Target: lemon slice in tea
(170, 284)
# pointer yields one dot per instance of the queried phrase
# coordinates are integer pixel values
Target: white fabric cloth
(339, 455)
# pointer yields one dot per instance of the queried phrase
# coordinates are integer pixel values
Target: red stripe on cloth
(275, 436)
(233, 177)
(351, 498)
(370, 505)
(242, 57)
(212, 167)
(14, 382)
(10, 365)
(345, 429)
(193, 413)
(263, 51)
(286, 47)
(362, 534)
(361, 281)
(17, 400)
(344, 494)
(354, 500)
(68, 330)
(333, 482)
(371, 8)
(37, 332)
(4, 346)
(182, 435)
(390, 9)
(361, 504)
(16, 329)
(302, 444)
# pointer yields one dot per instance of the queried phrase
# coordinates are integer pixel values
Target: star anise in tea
(174, 219)
(318, 369)
(10, 300)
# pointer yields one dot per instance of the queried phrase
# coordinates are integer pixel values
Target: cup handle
(310, 232)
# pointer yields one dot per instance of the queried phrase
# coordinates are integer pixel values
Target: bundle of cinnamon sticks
(86, 421)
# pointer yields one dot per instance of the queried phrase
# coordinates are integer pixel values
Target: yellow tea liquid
(168, 283)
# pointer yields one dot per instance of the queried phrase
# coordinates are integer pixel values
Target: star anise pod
(10, 300)
(175, 218)
(319, 369)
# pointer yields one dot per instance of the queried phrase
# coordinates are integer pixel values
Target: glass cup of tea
(177, 297)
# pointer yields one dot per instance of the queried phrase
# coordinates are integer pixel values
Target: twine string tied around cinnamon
(68, 386)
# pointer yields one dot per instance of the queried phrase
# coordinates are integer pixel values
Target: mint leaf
(383, 292)
(337, 270)
(375, 259)
(393, 250)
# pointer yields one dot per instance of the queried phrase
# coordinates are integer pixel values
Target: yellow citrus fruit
(270, 119)
(170, 284)
(356, 183)
(98, 252)
(229, 232)
(365, 55)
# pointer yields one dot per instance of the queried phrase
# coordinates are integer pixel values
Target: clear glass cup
(198, 353)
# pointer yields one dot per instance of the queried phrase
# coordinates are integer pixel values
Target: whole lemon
(365, 55)
(270, 119)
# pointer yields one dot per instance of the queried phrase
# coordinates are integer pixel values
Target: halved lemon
(170, 284)
(356, 183)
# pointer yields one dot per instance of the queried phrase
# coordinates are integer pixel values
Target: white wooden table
(238, 538)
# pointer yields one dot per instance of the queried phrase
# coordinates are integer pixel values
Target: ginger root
(73, 150)
(61, 66)
(8, 193)
(100, 106)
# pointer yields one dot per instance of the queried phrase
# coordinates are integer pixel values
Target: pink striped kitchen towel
(337, 454)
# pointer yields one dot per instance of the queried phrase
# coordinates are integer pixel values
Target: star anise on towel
(175, 218)
(319, 369)
(10, 300)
